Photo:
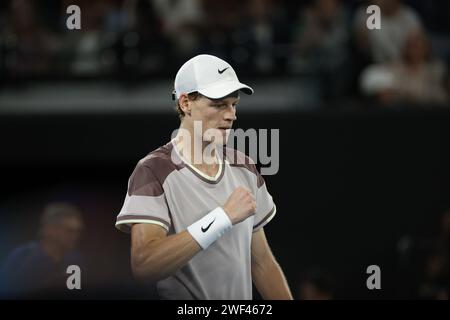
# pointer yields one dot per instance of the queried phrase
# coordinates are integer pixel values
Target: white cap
(212, 77)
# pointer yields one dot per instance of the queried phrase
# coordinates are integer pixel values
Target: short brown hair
(191, 96)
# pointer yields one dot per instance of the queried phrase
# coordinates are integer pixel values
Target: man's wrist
(210, 228)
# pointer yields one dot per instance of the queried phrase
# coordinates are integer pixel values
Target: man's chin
(220, 139)
(220, 142)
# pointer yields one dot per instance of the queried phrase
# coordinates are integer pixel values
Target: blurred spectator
(260, 40)
(142, 47)
(385, 44)
(40, 266)
(89, 43)
(221, 20)
(315, 284)
(28, 45)
(321, 46)
(417, 79)
(182, 21)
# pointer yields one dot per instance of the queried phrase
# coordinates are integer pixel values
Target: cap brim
(223, 89)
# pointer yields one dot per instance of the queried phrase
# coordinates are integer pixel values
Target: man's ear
(184, 104)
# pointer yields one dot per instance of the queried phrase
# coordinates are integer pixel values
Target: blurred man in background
(40, 266)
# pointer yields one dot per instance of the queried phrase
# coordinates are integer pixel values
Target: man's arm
(155, 256)
(266, 272)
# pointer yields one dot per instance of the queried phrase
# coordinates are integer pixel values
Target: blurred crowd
(326, 42)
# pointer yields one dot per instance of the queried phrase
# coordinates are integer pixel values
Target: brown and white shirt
(167, 191)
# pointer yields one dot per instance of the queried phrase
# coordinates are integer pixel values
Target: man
(39, 267)
(197, 226)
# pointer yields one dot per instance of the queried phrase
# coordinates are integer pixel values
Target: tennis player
(197, 227)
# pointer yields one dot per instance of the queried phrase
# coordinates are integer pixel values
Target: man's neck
(195, 150)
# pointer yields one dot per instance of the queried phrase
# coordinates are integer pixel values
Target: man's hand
(240, 205)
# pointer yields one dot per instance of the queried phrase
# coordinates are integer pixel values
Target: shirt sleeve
(145, 201)
(265, 207)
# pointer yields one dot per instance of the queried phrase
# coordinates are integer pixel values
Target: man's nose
(230, 114)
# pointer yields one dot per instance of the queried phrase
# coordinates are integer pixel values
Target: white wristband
(210, 228)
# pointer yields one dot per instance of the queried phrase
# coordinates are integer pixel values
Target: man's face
(67, 232)
(216, 116)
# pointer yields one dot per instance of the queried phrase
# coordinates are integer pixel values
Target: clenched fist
(240, 205)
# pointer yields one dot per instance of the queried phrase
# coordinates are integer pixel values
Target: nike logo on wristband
(209, 225)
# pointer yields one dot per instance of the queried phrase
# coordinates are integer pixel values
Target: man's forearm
(270, 281)
(163, 257)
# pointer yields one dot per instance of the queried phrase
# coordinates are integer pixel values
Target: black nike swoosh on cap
(222, 71)
(209, 225)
